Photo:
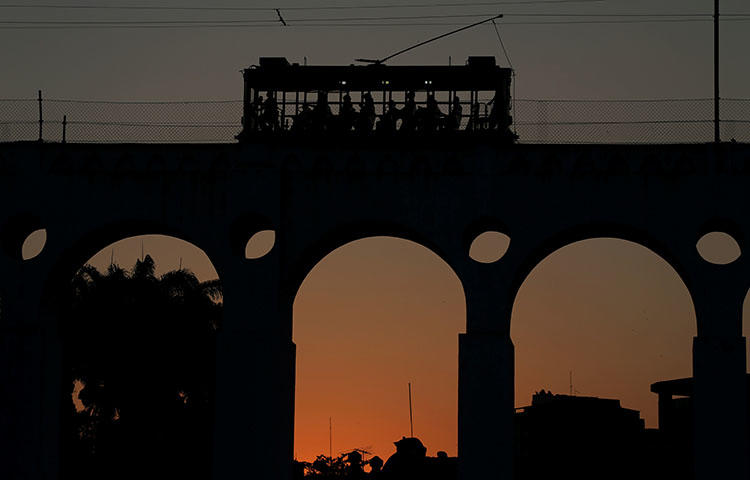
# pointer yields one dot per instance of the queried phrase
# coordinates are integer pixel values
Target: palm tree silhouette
(140, 351)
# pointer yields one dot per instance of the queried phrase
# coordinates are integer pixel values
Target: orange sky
(381, 312)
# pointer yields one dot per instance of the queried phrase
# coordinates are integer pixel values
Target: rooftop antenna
(142, 250)
(411, 417)
(180, 263)
(383, 60)
(571, 382)
(112, 258)
(330, 438)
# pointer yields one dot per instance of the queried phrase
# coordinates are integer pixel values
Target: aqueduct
(319, 198)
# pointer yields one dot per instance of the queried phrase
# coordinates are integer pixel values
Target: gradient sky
(610, 311)
(652, 60)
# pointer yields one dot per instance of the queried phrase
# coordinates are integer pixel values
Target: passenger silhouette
(348, 114)
(389, 119)
(270, 115)
(454, 119)
(322, 113)
(303, 120)
(495, 122)
(366, 114)
(431, 114)
(408, 113)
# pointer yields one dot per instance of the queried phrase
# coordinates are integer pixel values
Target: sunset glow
(612, 312)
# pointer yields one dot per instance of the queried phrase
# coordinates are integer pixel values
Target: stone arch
(70, 257)
(316, 250)
(448, 330)
(83, 246)
(534, 253)
(544, 355)
(647, 321)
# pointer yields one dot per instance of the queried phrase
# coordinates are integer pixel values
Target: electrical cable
(604, 17)
(273, 8)
(269, 24)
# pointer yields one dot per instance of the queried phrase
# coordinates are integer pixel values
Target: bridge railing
(218, 121)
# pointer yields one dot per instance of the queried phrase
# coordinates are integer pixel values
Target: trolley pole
(717, 130)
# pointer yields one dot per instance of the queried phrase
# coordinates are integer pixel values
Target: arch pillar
(255, 367)
(31, 377)
(720, 397)
(486, 379)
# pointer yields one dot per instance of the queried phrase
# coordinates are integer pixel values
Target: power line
(675, 16)
(188, 22)
(269, 24)
(273, 8)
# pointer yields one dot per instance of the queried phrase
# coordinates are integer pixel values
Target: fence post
(65, 126)
(717, 118)
(41, 118)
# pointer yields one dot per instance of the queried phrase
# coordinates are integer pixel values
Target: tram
(283, 100)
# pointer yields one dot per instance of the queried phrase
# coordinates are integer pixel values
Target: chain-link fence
(81, 121)
(535, 121)
(630, 121)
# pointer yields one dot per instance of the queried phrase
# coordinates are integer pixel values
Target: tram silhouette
(283, 100)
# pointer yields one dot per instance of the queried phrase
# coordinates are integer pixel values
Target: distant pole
(41, 118)
(571, 382)
(65, 127)
(717, 131)
(330, 438)
(411, 417)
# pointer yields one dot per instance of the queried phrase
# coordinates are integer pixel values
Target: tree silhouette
(140, 353)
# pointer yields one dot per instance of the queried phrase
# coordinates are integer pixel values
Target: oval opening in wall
(489, 247)
(718, 248)
(34, 244)
(260, 244)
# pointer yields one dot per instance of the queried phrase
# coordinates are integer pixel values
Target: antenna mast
(571, 382)
(330, 438)
(411, 417)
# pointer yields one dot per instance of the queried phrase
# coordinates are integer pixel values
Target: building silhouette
(585, 437)
(676, 438)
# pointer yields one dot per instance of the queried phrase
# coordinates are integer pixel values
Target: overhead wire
(292, 7)
(604, 17)
(6, 25)
(358, 21)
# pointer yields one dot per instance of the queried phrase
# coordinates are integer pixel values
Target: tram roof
(479, 73)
